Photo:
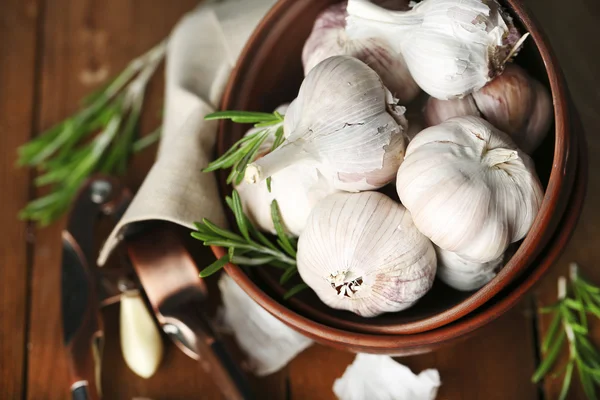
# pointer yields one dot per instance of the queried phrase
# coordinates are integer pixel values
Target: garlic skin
(296, 188)
(329, 38)
(346, 124)
(514, 102)
(469, 188)
(361, 252)
(451, 47)
(462, 274)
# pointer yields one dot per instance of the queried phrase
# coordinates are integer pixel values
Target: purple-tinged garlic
(462, 274)
(361, 252)
(451, 47)
(346, 124)
(469, 189)
(329, 38)
(514, 102)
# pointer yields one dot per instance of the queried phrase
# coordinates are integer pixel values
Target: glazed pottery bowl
(269, 73)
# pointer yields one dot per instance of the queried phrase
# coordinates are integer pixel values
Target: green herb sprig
(570, 324)
(250, 247)
(247, 148)
(100, 137)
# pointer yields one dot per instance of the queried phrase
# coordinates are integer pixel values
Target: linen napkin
(202, 50)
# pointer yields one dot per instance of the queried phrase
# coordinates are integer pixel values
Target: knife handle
(187, 325)
(80, 392)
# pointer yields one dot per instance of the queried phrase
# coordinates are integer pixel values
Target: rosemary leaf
(552, 329)
(220, 231)
(269, 184)
(550, 359)
(586, 382)
(147, 140)
(240, 217)
(214, 267)
(564, 391)
(250, 117)
(283, 239)
(288, 274)
(295, 290)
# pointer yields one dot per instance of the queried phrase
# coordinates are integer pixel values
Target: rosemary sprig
(570, 323)
(250, 247)
(247, 148)
(100, 137)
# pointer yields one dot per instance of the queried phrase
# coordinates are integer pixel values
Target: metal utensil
(172, 284)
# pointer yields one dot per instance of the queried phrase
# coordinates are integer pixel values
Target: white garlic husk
(329, 38)
(462, 274)
(296, 188)
(469, 188)
(346, 124)
(451, 47)
(361, 252)
(513, 102)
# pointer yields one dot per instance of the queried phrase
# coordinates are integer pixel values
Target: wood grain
(571, 36)
(496, 363)
(18, 22)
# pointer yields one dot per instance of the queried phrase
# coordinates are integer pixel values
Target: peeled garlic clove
(344, 125)
(329, 38)
(463, 274)
(469, 188)
(451, 47)
(361, 252)
(141, 344)
(437, 111)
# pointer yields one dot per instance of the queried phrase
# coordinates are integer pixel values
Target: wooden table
(54, 52)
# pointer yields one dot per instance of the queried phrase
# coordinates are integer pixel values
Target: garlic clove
(141, 344)
(343, 124)
(329, 38)
(540, 120)
(469, 188)
(462, 274)
(451, 47)
(361, 252)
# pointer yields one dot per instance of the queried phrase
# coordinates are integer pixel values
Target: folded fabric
(268, 342)
(202, 50)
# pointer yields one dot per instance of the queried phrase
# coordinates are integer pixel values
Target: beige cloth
(201, 53)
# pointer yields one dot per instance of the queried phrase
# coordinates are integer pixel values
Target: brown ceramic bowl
(270, 72)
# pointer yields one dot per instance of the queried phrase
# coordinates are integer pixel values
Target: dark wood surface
(54, 52)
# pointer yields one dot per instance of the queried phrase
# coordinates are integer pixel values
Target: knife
(173, 286)
(82, 325)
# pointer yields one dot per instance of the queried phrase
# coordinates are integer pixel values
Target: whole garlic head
(346, 124)
(463, 274)
(361, 252)
(513, 102)
(329, 38)
(469, 188)
(296, 188)
(451, 47)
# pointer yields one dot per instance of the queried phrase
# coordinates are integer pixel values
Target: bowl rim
(553, 204)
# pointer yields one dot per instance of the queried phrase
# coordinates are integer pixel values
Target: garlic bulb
(463, 274)
(346, 124)
(329, 38)
(469, 188)
(296, 188)
(451, 47)
(514, 102)
(361, 252)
